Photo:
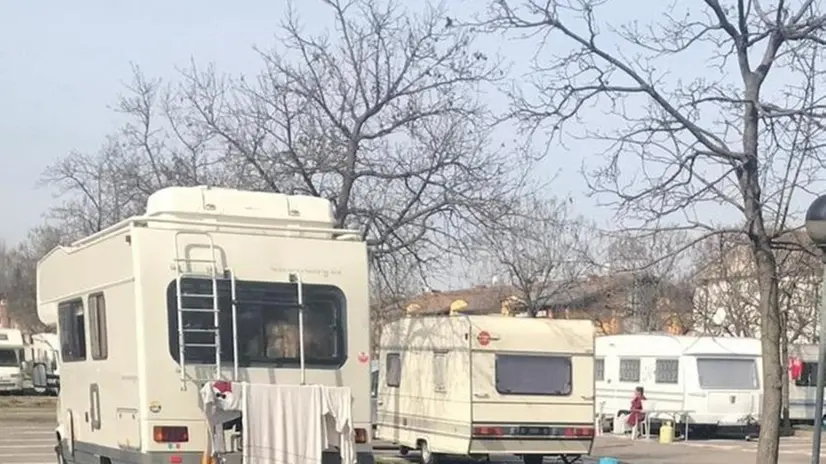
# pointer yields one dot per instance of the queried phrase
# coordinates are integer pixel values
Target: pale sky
(63, 64)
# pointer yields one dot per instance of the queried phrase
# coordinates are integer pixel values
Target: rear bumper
(530, 446)
(84, 457)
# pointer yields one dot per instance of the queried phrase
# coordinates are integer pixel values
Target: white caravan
(802, 390)
(487, 385)
(44, 350)
(708, 382)
(11, 361)
(209, 283)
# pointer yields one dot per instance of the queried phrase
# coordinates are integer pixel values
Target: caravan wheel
(427, 456)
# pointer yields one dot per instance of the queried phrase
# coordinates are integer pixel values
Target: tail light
(167, 434)
(488, 431)
(361, 435)
(579, 432)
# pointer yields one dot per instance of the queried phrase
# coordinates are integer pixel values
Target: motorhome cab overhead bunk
(487, 385)
(216, 326)
(710, 383)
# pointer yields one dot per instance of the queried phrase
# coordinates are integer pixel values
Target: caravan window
(267, 314)
(727, 374)
(8, 358)
(629, 370)
(599, 370)
(394, 370)
(533, 375)
(808, 375)
(667, 371)
(71, 319)
(440, 371)
(97, 326)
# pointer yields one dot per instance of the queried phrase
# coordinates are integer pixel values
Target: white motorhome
(487, 385)
(802, 389)
(710, 383)
(207, 284)
(11, 360)
(45, 349)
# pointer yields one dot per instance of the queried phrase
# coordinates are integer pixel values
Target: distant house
(727, 296)
(618, 303)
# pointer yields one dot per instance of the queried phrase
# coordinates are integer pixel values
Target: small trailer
(43, 358)
(487, 385)
(11, 361)
(711, 384)
(211, 289)
(802, 383)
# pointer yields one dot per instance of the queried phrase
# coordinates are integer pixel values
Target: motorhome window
(440, 371)
(393, 375)
(97, 327)
(71, 319)
(808, 375)
(727, 374)
(667, 371)
(629, 370)
(268, 326)
(533, 375)
(599, 370)
(9, 358)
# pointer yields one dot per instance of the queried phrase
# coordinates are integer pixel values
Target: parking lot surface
(28, 438)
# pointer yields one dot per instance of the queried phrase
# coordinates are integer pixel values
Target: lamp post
(816, 228)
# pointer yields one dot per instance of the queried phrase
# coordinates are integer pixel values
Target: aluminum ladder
(183, 269)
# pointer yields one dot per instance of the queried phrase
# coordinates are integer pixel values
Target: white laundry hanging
(283, 424)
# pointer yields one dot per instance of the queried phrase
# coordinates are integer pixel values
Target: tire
(428, 456)
(532, 458)
(403, 450)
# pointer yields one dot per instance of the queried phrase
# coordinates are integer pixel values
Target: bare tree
(540, 248)
(381, 115)
(158, 146)
(18, 267)
(717, 138)
(660, 275)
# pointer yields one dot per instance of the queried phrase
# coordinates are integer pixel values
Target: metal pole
(821, 374)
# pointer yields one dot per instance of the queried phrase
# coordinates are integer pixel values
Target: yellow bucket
(666, 433)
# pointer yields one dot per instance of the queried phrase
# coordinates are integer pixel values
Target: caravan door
(732, 387)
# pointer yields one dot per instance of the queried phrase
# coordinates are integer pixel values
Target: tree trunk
(768, 447)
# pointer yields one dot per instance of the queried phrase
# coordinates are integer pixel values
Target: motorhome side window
(97, 327)
(599, 370)
(440, 371)
(728, 374)
(71, 319)
(533, 375)
(268, 328)
(393, 363)
(667, 371)
(629, 370)
(808, 375)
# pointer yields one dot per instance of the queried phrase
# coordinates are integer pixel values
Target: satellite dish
(719, 316)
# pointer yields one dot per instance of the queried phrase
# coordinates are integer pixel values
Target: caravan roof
(648, 344)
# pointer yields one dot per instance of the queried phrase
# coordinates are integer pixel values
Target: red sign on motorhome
(483, 338)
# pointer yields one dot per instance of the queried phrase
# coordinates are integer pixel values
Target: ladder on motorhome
(184, 269)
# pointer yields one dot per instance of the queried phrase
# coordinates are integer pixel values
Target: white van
(487, 385)
(710, 383)
(44, 350)
(11, 361)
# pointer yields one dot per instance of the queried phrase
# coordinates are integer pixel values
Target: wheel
(428, 456)
(403, 450)
(532, 458)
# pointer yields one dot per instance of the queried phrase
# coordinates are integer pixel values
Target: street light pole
(816, 228)
(821, 375)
